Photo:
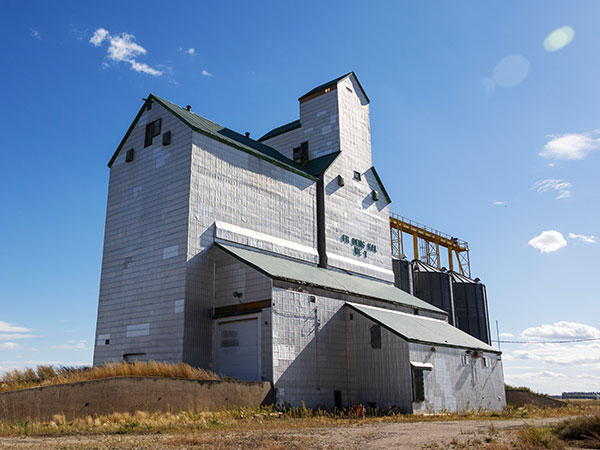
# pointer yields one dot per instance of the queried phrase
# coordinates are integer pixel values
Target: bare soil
(415, 435)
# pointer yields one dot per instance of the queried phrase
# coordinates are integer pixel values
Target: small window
(418, 385)
(375, 336)
(357, 175)
(486, 361)
(166, 138)
(301, 154)
(129, 155)
(466, 360)
(152, 130)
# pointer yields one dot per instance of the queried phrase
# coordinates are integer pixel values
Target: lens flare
(559, 38)
(511, 70)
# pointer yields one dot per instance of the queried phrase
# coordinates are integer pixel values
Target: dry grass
(585, 430)
(49, 375)
(256, 419)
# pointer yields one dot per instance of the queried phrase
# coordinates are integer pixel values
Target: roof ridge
(220, 133)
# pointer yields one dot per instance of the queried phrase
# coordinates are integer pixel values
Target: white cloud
(570, 146)
(9, 336)
(123, 48)
(36, 34)
(553, 367)
(72, 345)
(506, 335)
(499, 203)
(582, 237)
(8, 346)
(145, 68)
(559, 38)
(6, 327)
(562, 188)
(548, 241)
(561, 331)
(561, 354)
(99, 35)
(206, 73)
(191, 51)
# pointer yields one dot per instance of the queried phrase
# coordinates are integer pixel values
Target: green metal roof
(220, 133)
(422, 330)
(280, 268)
(318, 166)
(280, 130)
(331, 83)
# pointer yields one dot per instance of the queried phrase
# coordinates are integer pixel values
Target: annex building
(270, 259)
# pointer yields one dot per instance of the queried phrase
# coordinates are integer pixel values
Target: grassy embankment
(50, 375)
(582, 430)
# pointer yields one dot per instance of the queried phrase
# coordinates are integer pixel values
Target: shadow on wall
(314, 374)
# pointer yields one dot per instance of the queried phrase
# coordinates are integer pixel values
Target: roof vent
(188, 107)
(247, 134)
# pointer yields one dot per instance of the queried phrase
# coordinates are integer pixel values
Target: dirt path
(373, 436)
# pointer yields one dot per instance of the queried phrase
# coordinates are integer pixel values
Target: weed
(538, 437)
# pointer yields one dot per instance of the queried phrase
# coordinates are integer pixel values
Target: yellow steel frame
(427, 242)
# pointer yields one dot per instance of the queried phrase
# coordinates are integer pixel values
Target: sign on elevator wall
(360, 247)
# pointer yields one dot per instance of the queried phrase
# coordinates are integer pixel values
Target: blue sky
(478, 129)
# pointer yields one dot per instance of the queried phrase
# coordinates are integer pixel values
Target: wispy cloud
(190, 51)
(507, 335)
(123, 48)
(8, 346)
(579, 353)
(548, 366)
(548, 241)
(562, 188)
(6, 327)
(77, 33)
(206, 73)
(35, 34)
(570, 146)
(10, 336)
(499, 203)
(582, 237)
(72, 345)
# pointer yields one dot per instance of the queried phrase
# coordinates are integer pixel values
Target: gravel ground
(415, 435)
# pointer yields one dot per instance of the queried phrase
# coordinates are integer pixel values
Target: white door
(237, 353)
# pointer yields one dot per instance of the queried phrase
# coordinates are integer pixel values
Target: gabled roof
(421, 330)
(384, 192)
(280, 130)
(331, 83)
(277, 267)
(220, 133)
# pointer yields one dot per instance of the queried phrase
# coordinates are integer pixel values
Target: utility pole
(498, 334)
